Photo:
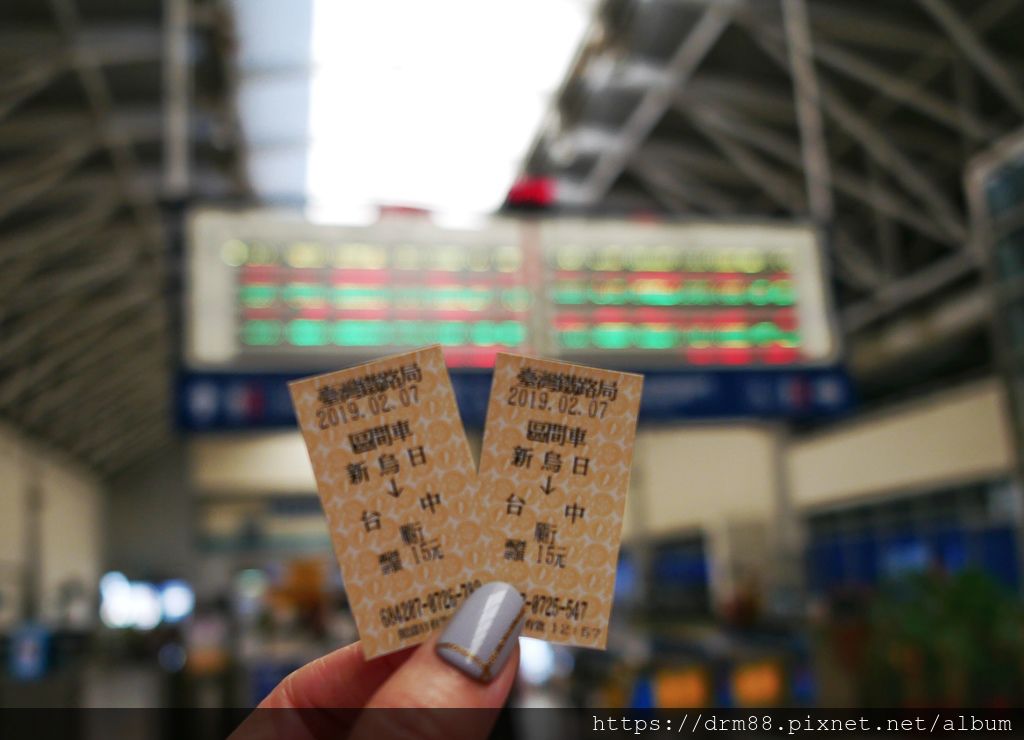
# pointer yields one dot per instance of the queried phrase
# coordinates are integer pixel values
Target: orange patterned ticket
(553, 477)
(396, 480)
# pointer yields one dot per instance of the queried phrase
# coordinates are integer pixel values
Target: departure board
(269, 291)
(289, 294)
(690, 294)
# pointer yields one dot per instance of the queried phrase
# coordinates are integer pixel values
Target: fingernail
(481, 634)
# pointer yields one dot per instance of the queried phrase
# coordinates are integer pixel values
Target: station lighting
(430, 104)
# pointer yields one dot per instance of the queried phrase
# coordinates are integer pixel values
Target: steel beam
(90, 419)
(900, 168)
(99, 310)
(808, 109)
(105, 307)
(682, 194)
(60, 159)
(72, 279)
(97, 91)
(709, 28)
(927, 68)
(117, 454)
(671, 199)
(941, 208)
(121, 434)
(775, 185)
(781, 148)
(755, 100)
(50, 242)
(854, 261)
(864, 26)
(21, 187)
(975, 50)
(855, 266)
(86, 418)
(176, 72)
(607, 72)
(884, 228)
(966, 93)
(102, 44)
(139, 438)
(878, 351)
(81, 353)
(149, 370)
(33, 129)
(141, 435)
(583, 141)
(22, 85)
(907, 93)
(696, 159)
(20, 273)
(899, 293)
(138, 123)
(77, 430)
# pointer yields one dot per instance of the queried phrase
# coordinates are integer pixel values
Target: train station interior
(801, 220)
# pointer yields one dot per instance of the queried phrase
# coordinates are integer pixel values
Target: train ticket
(554, 472)
(397, 483)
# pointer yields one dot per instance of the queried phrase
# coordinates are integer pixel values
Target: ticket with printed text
(554, 472)
(397, 483)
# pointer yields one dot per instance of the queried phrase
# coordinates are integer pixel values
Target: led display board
(692, 294)
(272, 292)
(275, 292)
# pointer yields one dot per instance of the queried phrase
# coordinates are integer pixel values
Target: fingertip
(481, 635)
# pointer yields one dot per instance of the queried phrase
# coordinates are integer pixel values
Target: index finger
(342, 679)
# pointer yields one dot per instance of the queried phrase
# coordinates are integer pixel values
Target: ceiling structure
(109, 113)
(858, 115)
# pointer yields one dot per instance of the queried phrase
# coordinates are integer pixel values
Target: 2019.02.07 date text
(529, 398)
(374, 405)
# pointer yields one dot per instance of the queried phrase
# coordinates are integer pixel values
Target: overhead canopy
(109, 110)
(697, 107)
(95, 132)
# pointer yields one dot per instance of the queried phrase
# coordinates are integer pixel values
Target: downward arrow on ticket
(547, 487)
(394, 489)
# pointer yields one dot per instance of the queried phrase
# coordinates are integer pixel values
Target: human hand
(410, 694)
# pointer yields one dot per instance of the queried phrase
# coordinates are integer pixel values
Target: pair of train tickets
(416, 526)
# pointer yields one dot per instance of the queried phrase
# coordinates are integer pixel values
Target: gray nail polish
(481, 634)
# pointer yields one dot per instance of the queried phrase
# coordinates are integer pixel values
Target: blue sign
(231, 401)
(30, 652)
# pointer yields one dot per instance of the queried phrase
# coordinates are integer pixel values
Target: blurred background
(802, 219)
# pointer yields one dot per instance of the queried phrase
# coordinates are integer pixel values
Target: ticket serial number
(557, 618)
(433, 602)
(543, 605)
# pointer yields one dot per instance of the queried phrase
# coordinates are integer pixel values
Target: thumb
(471, 666)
